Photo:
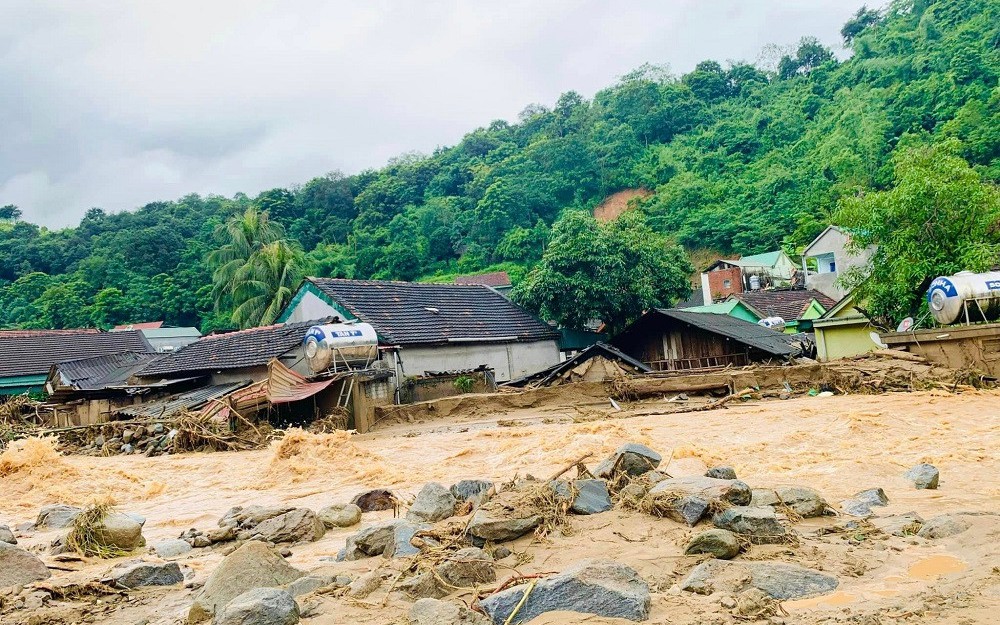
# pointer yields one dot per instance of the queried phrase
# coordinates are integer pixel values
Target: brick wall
(717, 283)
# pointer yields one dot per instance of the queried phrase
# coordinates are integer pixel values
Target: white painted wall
(833, 242)
(508, 360)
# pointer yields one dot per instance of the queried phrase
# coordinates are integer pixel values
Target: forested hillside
(739, 159)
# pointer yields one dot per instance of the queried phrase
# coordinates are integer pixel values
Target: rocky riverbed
(810, 510)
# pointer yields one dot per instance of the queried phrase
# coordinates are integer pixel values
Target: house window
(833, 266)
(727, 284)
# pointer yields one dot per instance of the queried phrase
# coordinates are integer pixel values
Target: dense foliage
(739, 159)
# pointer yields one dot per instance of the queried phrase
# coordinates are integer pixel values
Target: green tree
(608, 272)
(938, 218)
(10, 212)
(239, 239)
(109, 309)
(266, 283)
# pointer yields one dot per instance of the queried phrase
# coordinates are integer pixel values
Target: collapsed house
(676, 340)
(597, 363)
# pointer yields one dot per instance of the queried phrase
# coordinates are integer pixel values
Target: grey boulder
(600, 587)
(375, 539)
(340, 515)
(722, 544)
(120, 531)
(804, 501)
(171, 548)
(18, 567)
(906, 524)
(254, 565)
(943, 526)
(467, 567)
(7, 536)
(687, 499)
(248, 517)
(759, 524)
(592, 497)
(861, 504)
(722, 472)
(402, 534)
(434, 503)
(57, 516)
(779, 580)
(260, 606)
(136, 574)
(499, 527)
(436, 612)
(632, 459)
(298, 525)
(476, 491)
(923, 476)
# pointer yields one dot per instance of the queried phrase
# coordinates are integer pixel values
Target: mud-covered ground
(837, 445)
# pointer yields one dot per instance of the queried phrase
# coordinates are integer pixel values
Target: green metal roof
(767, 259)
(732, 307)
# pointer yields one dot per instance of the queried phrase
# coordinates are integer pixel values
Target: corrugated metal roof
(99, 372)
(415, 313)
(285, 386)
(192, 400)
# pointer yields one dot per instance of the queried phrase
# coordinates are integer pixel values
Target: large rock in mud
(687, 499)
(802, 500)
(721, 472)
(508, 515)
(18, 567)
(260, 606)
(722, 544)
(923, 476)
(171, 548)
(467, 567)
(437, 612)
(248, 517)
(434, 503)
(56, 517)
(592, 497)
(906, 524)
(476, 491)
(759, 524)
(779, 580)
(119, 531)
(7, 536)
(632, 459)
(861, 504)
(390, 538)
(254, 565)
(136, 574)
(600, 587)
(402, 534)
(943, 526)
(340, 515)
(299, 525)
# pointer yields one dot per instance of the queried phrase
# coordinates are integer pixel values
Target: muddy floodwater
(837, 445)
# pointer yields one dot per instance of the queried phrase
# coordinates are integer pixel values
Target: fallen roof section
(100, 372)
(758, 337)
(189, 401)
(547, 376)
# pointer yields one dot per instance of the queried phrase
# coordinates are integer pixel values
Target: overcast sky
(119, 103)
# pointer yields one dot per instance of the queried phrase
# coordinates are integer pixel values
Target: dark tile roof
(751, 334)
(413, 313)
(697, 298)
(495, 278)
(234, 350)
(35, 354)
(99, 372)
(789, 304)
(610, 352)
(22, 333)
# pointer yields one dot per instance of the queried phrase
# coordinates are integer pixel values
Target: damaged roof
(416, 313)
(234, 350)
(191, 400)
(100, 372)
(610, 352)
(35, 353)
(789, 304)
(758, 337)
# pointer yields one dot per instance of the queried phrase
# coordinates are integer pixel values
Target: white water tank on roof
(775, 323)
(340, 346)
(949, 296)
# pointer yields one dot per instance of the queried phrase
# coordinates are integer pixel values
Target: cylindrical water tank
(948, 295)
(333, 344)
(775, 323)
(754, 282)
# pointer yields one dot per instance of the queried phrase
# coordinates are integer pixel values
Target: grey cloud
(116, 104)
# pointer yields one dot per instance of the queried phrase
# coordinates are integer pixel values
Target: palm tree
(240, 238)
(266, 283)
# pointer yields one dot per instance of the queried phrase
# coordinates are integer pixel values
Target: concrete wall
(310, 308)
(508, 360)
(834, 242)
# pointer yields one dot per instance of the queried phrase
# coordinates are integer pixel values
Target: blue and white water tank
(948, 297)
(340, 346)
